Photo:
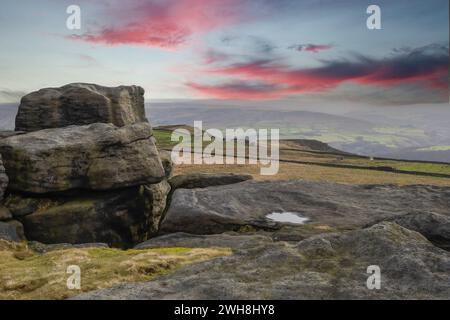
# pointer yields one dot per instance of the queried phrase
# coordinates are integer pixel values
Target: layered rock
(98, 157)
(84, 167)
(227, 208)
(80, 104)
(204, 180)
(332, 266)
(120, 218)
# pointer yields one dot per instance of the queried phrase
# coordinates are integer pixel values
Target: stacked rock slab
(85, 167)
(97, 157)
(80, 104)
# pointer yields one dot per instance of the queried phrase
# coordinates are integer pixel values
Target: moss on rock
(27, 274)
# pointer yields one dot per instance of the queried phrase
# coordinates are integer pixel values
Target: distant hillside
(216, 117)
(400, 133)
(164, 132)
(373, 133)
(312, 145)
(422, 154)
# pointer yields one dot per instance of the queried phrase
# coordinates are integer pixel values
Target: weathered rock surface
(98, 156)
(5, 214)
(226, 240)
(119, 218)
(11, 231)
(3, 179)
(204, 180)
(155, 197)
(434, 227)
(80, 104)
(7, 134)
(166, 162)
(226, 208)
(332, 266)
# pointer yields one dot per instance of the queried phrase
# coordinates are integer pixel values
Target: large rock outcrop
(98, 156)
(332, 266)
(80, 104)
(227, 208)
(83, 167)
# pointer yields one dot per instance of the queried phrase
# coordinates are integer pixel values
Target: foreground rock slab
(80, 104)
(332, 266)
(229, 208)
(98, 156)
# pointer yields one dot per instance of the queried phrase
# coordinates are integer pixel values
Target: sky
(249, 50)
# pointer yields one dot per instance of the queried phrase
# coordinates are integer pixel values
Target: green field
(302, 163)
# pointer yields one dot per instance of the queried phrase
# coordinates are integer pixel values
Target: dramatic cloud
(164, 24)
(314, 48)
(239, 90)
(426, 66)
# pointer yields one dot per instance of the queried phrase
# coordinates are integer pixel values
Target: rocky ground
(325, 266)
(227, 208)
(82, 173)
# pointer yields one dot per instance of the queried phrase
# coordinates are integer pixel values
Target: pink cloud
(313, 48)
(164, 24)
(420, 67)
(239, 90)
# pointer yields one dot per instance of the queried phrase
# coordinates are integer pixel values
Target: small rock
(167, 162)
(20, 205)
(12, 231)
(155, 196)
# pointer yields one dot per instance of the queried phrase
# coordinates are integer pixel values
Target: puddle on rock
(287, 217)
